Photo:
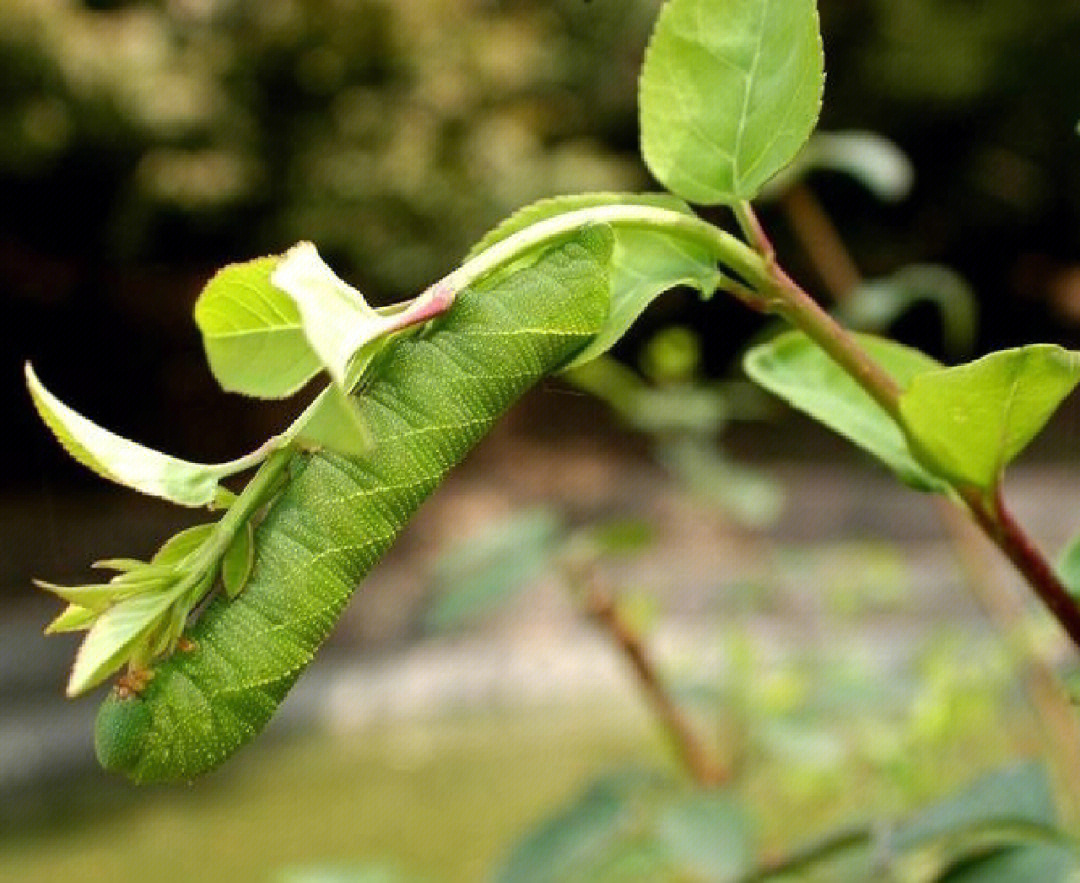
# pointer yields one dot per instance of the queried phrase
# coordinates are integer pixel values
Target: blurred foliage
(142, 144)
(383, 130)
(394, 131)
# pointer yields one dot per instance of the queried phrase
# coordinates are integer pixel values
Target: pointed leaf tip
(970, 421)
(119, 459)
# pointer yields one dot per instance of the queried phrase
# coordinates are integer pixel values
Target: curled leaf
(343, 330)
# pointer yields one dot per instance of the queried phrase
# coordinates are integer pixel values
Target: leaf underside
(794, 368)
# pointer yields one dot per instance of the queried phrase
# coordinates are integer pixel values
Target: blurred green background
(144, 144)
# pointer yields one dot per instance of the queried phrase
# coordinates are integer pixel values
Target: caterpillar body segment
(430, 399)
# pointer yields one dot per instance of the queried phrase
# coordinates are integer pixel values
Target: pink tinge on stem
(432, 303)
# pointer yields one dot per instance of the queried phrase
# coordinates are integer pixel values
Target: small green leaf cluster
(140, 613)
(268, 326)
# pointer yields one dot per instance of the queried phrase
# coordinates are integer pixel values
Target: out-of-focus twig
(599, 602)
(821, 241)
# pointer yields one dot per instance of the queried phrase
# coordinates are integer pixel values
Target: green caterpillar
(428, 400)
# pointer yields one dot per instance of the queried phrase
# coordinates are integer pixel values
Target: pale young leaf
(183, 544)
(253, 334)
(336, 319)
(112, 639)
(126, 462)
(73, 619)
(344, 331)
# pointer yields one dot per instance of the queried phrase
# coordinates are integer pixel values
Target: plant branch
(999, 524)
(1004, 608)
(840, 274)
(802, 311)
(600, 603)
(753, 230)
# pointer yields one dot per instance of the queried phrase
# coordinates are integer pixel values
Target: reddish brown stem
(998, 523)
(705, 770)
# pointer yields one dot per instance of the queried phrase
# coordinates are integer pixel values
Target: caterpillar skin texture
(435, 395)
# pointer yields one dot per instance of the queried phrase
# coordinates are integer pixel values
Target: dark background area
(142, 145)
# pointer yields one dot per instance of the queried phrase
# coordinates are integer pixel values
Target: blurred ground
(849, 594)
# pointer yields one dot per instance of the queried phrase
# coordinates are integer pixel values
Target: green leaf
(1018, 864)
(730, 91)
(1019, 793)
(633, 826)
(708, 836)
(970, 421)
(644, 262)
(96, 597)
(337, 321)
(181, 545)
(252, 332)
(73, 619)
(112, 638)
(344, 331)
(126, 462)
(574, 843)
(1001, 828)
(238, 560)
(335, 423)
(793, 367)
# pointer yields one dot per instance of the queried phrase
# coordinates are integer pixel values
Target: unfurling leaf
(793, 367)
(343, 330)
(969, 422)
(730, 91)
